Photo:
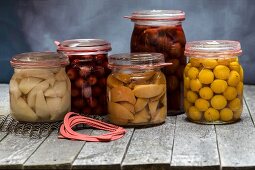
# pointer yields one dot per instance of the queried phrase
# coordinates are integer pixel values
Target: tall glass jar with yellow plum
(213, 82)
(136, 89)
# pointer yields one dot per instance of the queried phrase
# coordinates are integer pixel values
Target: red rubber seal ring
(72, 119)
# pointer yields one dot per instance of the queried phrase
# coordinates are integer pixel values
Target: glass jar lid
(137, 60)
(208, 48)
(174, 15)
(83, 45)
(39, 60)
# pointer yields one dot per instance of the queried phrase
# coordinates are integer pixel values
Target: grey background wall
(33, 25)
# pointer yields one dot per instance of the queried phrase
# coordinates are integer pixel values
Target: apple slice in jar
(14, 88)
(163, 99)
(59, 106)
(61, 75)
(54, 104)
(159, 78)
(142, 116)
(158, 96)
(122, 93)
(41, 107)
(113, 82)
(119, 111)
(125, 78)
(26, 84)
(153, 105)
(148, 91)
(31, 97)
(128, 106)
(140, 104)
(66, 102)
(58, 90)
(21, 111)
(160, 115)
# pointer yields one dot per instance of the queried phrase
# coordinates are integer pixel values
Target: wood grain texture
(249, 93)
(151, 148)
(102, 155)
(236, 143)
(177, 145)
(4, 99)
(56, 153)
(2, 135)
(15, 150)
(195, 146)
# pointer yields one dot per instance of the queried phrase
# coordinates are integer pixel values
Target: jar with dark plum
(88, 70)
(161, 31)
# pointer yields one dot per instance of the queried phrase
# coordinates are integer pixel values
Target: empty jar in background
(88, 70)
(136, 89)
(213, 82)
(161, 31)
(40, 90)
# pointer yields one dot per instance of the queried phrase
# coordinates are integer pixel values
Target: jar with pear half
(213, 82)
(40, 90)
(136, 89)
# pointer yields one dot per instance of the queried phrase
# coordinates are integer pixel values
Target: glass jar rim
(154, 15)
(141, 60)
(39, 60)
(83, 45)
(209, 48)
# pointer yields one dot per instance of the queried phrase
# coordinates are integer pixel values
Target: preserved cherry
(161, 31)
(88, 72)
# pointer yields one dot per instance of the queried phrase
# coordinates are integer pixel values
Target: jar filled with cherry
(88, 72)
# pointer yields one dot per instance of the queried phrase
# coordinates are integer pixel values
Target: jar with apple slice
(40, 90)
(161, 31)
(136, 89)
(88, 72)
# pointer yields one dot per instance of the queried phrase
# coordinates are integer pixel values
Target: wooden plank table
(177, 144)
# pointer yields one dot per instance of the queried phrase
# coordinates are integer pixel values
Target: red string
(72, 119)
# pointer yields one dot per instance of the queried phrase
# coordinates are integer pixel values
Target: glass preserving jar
(161, 31)
(136, 89)
(213, 82)
(40, 90)
(88, 70)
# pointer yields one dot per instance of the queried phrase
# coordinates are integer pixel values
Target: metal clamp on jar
(136, 89)
(213, 81)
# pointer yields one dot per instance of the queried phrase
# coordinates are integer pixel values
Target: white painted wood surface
(249, 93)
(177, 144)
(55, 153)
(108, 155)
(2, 135)
(151, 148)
(237, 143)
(194, 146)
(4, 99)
(15, 150)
